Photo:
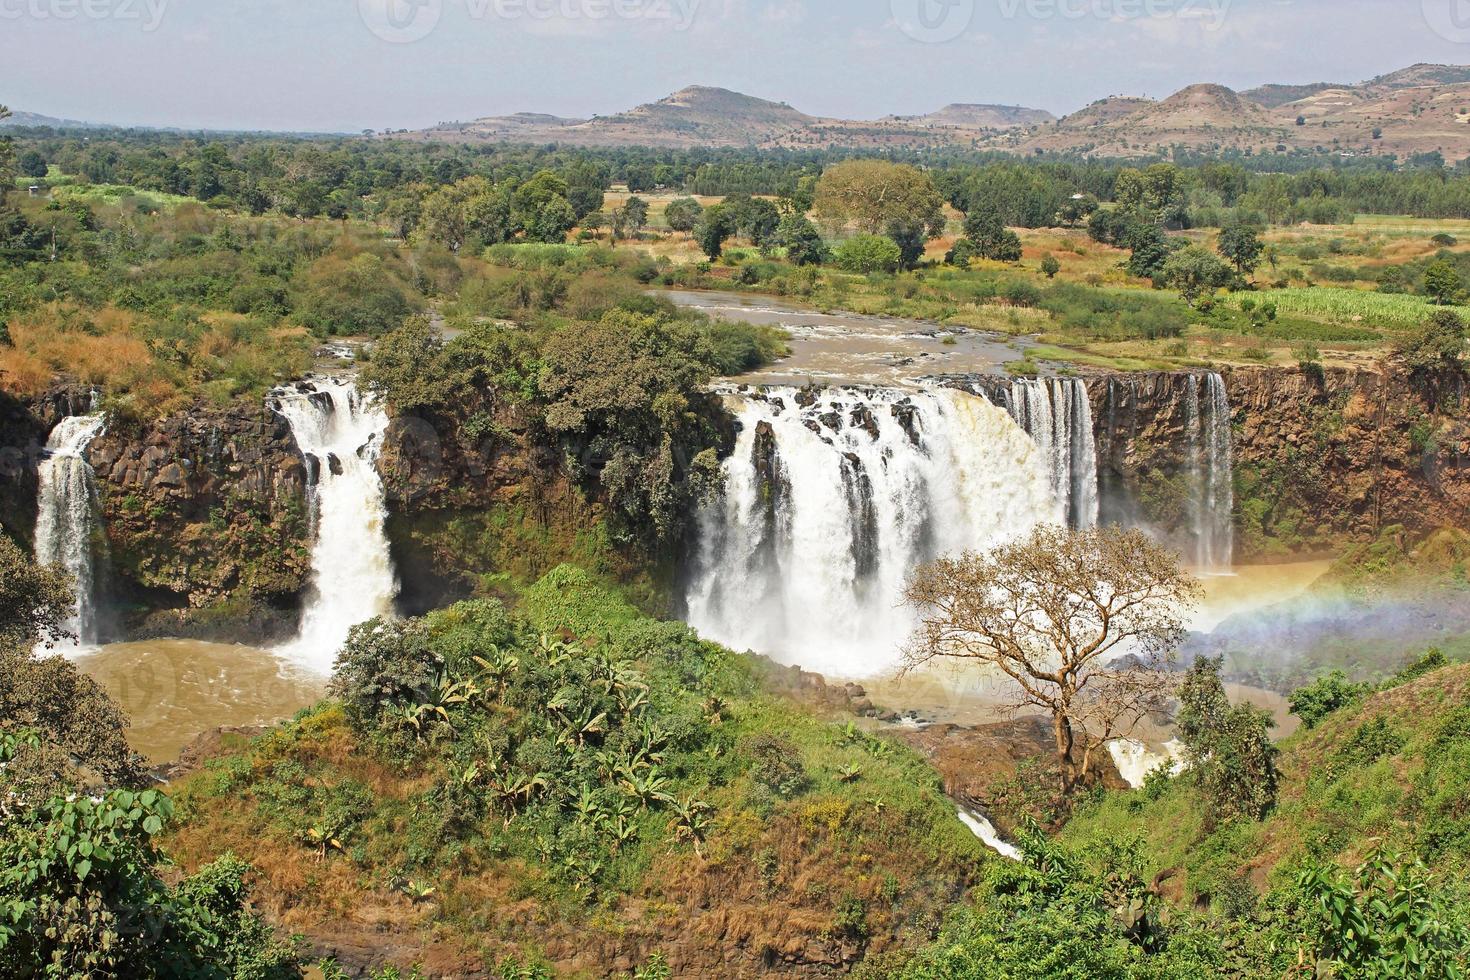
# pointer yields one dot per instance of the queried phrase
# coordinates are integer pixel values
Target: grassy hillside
(579, 786)
(1357, 872)
(1395, 769)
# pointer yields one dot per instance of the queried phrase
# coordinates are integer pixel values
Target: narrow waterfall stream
(1057, 414)
(66, 518)
(341, 433)
(833, 496)
(1212, 466)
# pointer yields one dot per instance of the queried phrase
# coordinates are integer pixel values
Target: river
(851, 348)
(172, 690)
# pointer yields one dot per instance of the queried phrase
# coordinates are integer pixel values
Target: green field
(1336, 305)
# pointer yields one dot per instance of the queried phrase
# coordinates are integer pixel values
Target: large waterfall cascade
(66, 518)
(1212, 472)
(1057, 414)
(833, 497)
(341, 432)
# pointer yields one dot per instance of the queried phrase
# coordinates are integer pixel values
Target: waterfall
(989, 836)
(341, 433)
(1057, 414)
(1211, 471)
(832, 497)
(1135, 760)
(65, 518)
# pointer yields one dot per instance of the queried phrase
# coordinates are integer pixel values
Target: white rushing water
(828, 508)
(66, 518)
(989, 836)
(352, 571)
(1135, 760)
(1212, 467)
(1057, 414)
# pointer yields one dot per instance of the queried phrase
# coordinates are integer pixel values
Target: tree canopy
(1053, 612)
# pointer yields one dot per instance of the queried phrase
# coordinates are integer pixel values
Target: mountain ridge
(1419, 109)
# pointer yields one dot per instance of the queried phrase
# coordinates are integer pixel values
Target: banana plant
(584, 870)
(553, 653)
(622, 830)
(850, 773)
(653, 738)
(690, 821)
(633, 701)
(621, 809)
(324, 837)
(516, 789)
(579, 727)
(715, 708)
(417, 891)
(646, 787)
(469, 775)
(609, 763)
(588, 807)
(497, 668)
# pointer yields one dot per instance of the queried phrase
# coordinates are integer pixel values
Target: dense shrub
(1325, 695)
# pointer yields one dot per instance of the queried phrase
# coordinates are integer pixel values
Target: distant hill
(1422, 74)
(1417, 109)
(1104, 112)
(1200, 106)
(20, 118)
(978, 116)
(705, 116)
(1275, 96)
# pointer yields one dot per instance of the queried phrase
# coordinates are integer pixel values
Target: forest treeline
(366, 178)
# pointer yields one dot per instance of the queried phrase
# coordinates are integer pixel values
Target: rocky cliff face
(1321, 459)
(478, 500)
(207, 520)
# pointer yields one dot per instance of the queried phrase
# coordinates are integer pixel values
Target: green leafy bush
(1325, 695)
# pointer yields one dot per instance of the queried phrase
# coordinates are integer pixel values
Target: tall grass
(1393, 310)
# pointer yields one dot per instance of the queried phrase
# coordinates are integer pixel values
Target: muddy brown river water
(174, 689)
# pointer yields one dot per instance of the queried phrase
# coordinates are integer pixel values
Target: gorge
(831, 494)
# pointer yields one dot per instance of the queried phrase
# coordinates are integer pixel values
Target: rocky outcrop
(207, 519)
(1322, 458)
(478, 495)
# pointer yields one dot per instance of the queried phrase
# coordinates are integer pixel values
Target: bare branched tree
(1082, 621)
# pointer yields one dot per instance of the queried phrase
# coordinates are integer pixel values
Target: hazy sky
(345, 65)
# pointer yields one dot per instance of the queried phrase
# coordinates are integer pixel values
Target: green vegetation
(1227, 748)
(1336, 305)
(81, 892)
(612, 378)
(575, 753)
(1269, 893)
